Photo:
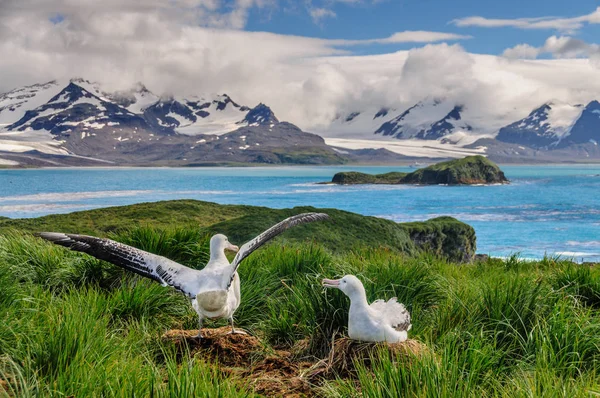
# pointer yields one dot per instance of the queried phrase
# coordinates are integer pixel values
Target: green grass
(185, 221)
(71, 325)
(184, 213)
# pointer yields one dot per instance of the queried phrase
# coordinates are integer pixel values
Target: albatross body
(381, 321)
(214, 291)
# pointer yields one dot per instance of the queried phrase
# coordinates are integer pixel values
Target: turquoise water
(546, 209)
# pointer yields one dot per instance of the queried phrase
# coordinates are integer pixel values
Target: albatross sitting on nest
(214, 290)
(387, 321)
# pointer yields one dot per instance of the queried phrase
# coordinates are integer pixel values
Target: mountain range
(79, 123)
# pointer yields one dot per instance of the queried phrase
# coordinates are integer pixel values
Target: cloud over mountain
(187, 47)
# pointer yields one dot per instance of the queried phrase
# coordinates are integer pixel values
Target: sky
(361, 20)
(311, 60)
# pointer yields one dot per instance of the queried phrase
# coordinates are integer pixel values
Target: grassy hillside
(71, 325)
(158, 214)
(345, 232)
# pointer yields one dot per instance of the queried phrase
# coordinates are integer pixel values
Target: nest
(278, 373)
(244, 357)
(346, 354)
(217, 344)
(4, 386)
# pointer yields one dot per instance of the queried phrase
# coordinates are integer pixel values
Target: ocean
(546, 210)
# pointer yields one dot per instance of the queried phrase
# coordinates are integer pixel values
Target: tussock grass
(74, 326)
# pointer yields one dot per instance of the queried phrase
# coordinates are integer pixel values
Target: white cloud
(318, 14)
(568, 47)
(557, 47)
(522, 51)
(568, 25)
(408, 36)
(211, 13)
(305, 80)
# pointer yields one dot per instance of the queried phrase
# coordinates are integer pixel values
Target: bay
(551, 209)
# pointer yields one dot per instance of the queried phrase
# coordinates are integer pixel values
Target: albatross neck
(358, 297)
(218, 256)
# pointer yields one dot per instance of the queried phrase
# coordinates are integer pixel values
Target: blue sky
(367, 19)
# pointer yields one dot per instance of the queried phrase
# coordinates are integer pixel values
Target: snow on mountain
(15, 103)
(543, 127)
(261, 115)
(586, 129)
(358, 124)
(196, 115)
(449, 124)
(75, 109)
(428, 119)
(405, 132)
(25, 141)
(134, 100)
(409, 147)
(59, 107)
(80, 117)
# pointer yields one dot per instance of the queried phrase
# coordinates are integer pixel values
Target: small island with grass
(472, 170)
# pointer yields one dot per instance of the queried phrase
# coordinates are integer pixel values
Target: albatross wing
(393, 312)
(269, 234)
(160, 269)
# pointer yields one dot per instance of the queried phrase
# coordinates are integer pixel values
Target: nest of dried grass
(238, 350)
(346, 353)
(4, 386)
(244, 357)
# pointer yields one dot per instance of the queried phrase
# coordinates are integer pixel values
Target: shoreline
(273, 166)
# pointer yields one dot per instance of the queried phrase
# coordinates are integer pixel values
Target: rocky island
(467, 171)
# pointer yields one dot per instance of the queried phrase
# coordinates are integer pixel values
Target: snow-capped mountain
(430, 120)
(544, 127)
(185, 115)
(261, 115)
(75, 109)
(586, 129)
(359, 123)
(15, 103)
(79, 123)
(449, 124)
(79, 118)
(195, 115)
(134, 100)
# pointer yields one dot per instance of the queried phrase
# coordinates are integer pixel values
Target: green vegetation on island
(355, 177)
(467, 171)
(72, 325)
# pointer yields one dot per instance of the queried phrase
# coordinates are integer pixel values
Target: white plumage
(380, 321)
(214, 291)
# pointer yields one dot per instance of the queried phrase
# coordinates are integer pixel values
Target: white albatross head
(219, 243)
(349, 284)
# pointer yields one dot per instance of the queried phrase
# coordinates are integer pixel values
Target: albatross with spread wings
(214, 290)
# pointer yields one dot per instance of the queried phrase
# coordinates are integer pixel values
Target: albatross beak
(233, 248)
(331, 283)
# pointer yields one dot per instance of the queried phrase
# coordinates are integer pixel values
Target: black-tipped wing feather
(160, 269)
(394, 312)
(269, 234)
